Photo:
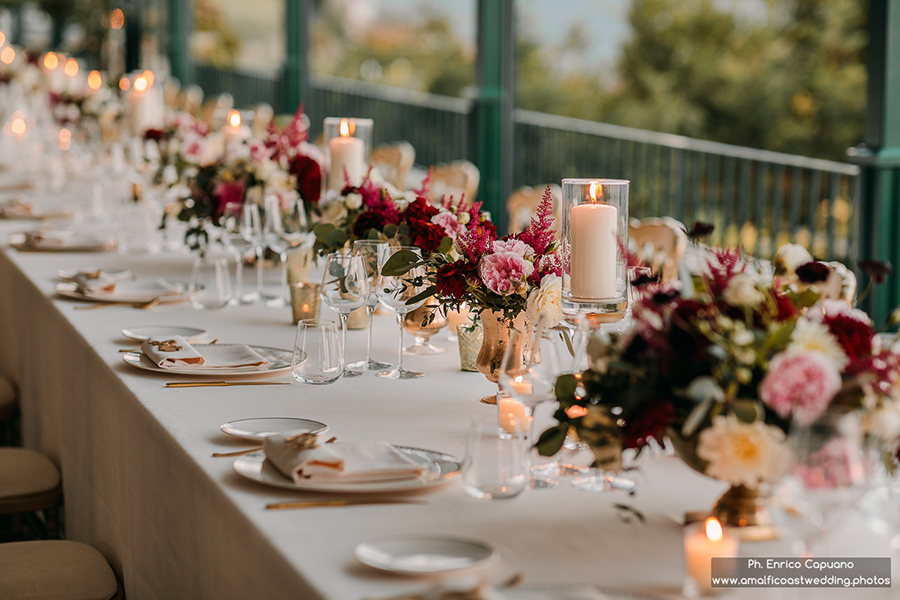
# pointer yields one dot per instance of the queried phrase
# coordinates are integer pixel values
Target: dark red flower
(700, 230)
(420, 209)
(451, 278)
(813, 272)
(784, 308)
(854, 336)
(308, 172)
(426, 235)
(225, 193)
(367, 221)
(155, 134)
(876, 269)
(650, 421)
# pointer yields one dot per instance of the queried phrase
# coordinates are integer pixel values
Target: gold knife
(329, 503)
(186, 384)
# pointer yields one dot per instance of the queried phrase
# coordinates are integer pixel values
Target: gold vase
(496, 338)
(414, 324)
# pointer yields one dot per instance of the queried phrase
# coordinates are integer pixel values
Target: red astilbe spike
(476, 242)
(539, 234)
(426, 183)
(723, 264)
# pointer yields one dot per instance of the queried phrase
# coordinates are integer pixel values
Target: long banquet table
(140, 483)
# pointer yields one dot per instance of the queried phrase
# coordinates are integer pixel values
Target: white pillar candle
(147, 106)
(348, 155)
(513, 414)
(458, 317)
(594, 252)
(703, 545)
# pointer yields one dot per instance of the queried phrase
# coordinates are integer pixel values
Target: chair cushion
(54, 569)
(25, 472)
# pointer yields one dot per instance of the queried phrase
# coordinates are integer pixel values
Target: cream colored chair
(30, 482)
(524, 202)
(453, 180)
(394, 161)
(55, 570)
(660, 243)
(9, 405)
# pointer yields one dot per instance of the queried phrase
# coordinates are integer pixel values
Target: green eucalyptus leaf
(336, 239)
(400, 263)
(403, 229)
(445, 245)
(322, 231)
(748, 410)
(390, 230)
(424, 295)
(552, 439)
(566, 386)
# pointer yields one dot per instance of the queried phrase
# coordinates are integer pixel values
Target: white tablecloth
(140, 484)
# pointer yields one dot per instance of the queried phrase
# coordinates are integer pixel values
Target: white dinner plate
(77, 242)
(279, 360)
(424, 554)
(159, 332)
(71, 274)
(439, 469)
(142, 290)
(256, 430)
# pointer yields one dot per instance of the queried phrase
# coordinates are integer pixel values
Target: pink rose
(259, 151)
(449, 222)
(194, 149)
(800, 383)
(504, 273)
(515, 246)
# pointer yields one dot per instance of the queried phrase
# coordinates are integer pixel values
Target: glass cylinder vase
(595, 240)
(348, 146)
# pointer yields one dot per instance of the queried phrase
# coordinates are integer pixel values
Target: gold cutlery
(333, 503)
(142, 305)
(187, 384)
(257, 448)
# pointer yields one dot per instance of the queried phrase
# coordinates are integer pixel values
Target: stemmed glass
(345, 287)
(372, 252)
(828, 476)
(394, 292)
(529, 378)
(234, 240)
(248, 227)
(285, 228)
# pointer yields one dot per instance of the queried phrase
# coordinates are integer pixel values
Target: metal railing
(756, 198)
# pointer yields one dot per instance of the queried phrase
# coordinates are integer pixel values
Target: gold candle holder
(305, 300)
(470, 340)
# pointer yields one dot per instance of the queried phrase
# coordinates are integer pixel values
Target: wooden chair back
(453, 180)
(394, 161)
(660, 243)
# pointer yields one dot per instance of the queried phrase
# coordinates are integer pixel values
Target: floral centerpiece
(510, 282)
(726, 374)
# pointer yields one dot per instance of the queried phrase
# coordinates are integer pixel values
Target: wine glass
(247, 227)
(285, 228)
(233, 239)
(528, 375)
(372, 252)
(345, 287)
(395, 293)
(829, 475)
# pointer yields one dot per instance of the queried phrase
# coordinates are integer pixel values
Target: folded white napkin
(179, 355)
(140, 290)
(94, 282)
(350, 463)
(16, 208)
(50, 237)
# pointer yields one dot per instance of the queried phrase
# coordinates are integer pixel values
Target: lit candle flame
(117, 19)
(65, 135)
(596, 191)
(51, 61)
(234, 118)
(2, 38)
(347, 128)
(18, 126)
(140, 83)
(71, 68)
(148, 75)
(124, 84)
(8, 55)
(94, 80)
(713, 529)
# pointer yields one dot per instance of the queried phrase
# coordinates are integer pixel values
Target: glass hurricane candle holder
(595, 238)
(348, 145)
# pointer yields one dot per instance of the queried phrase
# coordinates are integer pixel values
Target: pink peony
(259, 151)
(515, 246)
(449, 222)
(504, 273)
(801, 384)
(195, 149)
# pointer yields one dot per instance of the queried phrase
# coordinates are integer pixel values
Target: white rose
(791, 256)
(463, 218)
(545, 302)
(884, 423)
(742, 291)
(353, 201)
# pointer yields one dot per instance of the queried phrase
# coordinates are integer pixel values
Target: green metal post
(492, 110)
(295, 79)
(181, 23)
(879, 156)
